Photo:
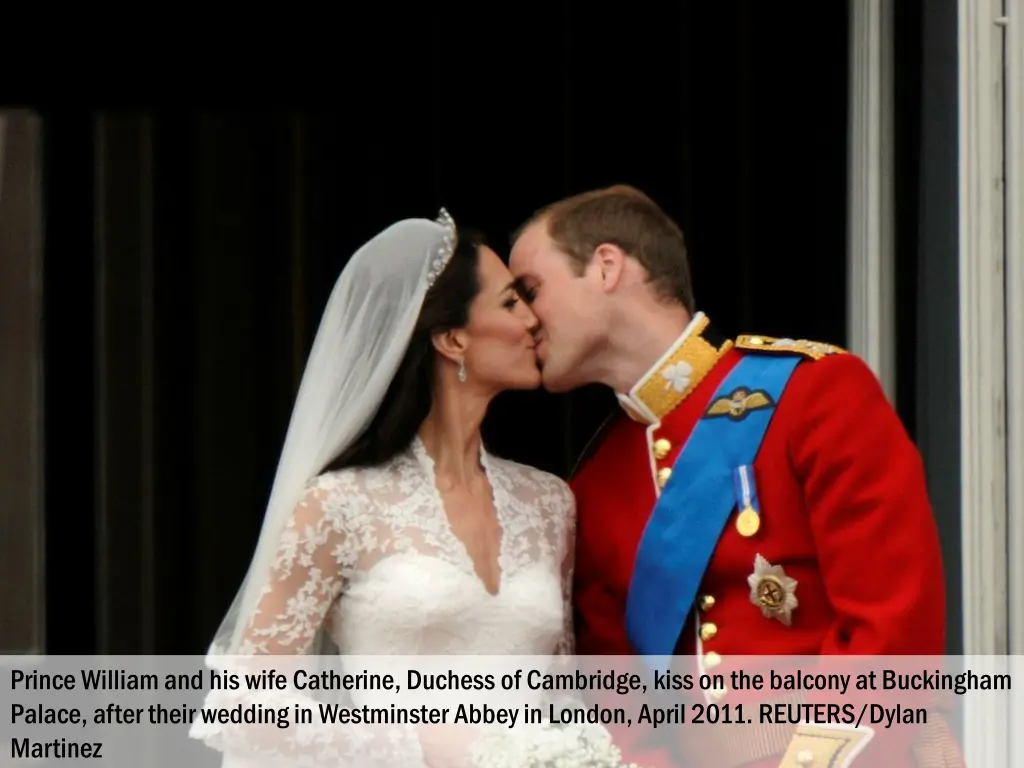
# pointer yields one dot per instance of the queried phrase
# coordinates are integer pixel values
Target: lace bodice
(369, 557)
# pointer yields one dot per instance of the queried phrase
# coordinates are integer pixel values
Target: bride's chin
(529, 380)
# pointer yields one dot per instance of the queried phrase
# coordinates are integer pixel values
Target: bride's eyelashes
(511, 302)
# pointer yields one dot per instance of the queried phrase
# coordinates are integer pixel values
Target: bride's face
(500, 351)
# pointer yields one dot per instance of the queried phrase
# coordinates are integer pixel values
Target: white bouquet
(551, 745)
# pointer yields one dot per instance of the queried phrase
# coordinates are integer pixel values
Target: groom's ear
(452, 344)
(610, 261)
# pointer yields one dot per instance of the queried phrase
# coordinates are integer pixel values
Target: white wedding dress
(370, 557)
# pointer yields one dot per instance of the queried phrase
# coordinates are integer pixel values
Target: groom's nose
(533, 326)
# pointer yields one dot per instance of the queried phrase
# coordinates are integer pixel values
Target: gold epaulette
(815, 350)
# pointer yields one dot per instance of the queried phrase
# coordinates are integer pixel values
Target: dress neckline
(427, 465)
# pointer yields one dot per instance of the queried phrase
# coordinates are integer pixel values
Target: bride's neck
(451, 432)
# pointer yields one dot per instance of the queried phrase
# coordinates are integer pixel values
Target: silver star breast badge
(772, 591)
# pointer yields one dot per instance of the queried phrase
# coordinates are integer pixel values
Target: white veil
(363, 335)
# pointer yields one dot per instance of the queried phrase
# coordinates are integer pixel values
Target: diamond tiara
(439, 259)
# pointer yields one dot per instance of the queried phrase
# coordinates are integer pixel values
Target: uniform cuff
(821, 746)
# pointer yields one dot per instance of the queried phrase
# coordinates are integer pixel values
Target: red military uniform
(844, 512)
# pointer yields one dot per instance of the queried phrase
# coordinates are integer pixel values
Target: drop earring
(462, 371)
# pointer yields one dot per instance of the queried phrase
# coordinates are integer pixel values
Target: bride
(390, 528)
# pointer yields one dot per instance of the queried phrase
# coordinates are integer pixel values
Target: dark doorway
(203, 246)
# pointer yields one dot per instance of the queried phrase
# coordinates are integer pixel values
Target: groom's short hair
(626, 217)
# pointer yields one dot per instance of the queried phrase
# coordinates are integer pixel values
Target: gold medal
(748, 522)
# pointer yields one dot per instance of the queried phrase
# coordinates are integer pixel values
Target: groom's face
(566, 304)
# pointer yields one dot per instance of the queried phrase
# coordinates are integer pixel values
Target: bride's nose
(529, 319)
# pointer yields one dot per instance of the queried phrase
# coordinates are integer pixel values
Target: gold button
(707, 602)
(663, 475)
(755, 340)
(718, 693)
(661, 448)
(711, 660)
(708, 631)
(805, 757)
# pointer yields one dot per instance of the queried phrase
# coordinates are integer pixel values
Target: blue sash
(712, 475)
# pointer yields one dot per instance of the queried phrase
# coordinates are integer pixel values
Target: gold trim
(934, 747)
(753, 744)
(695, 358)
(822, 747)
(815, 350)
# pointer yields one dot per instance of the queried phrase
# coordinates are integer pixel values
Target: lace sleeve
(315, 555)
(567, 645)
(308, 574)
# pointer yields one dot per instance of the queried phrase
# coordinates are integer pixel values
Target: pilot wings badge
(737, 405)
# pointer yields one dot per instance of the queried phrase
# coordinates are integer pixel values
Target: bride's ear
(452, 344)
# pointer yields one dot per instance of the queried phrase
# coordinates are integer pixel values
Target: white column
(983, 363)
(1015, 321)
(870, 317)
(1014, 73)
(982, 328)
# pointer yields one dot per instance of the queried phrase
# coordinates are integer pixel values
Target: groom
(752, 496)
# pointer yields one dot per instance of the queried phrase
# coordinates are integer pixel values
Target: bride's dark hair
(411, 393)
